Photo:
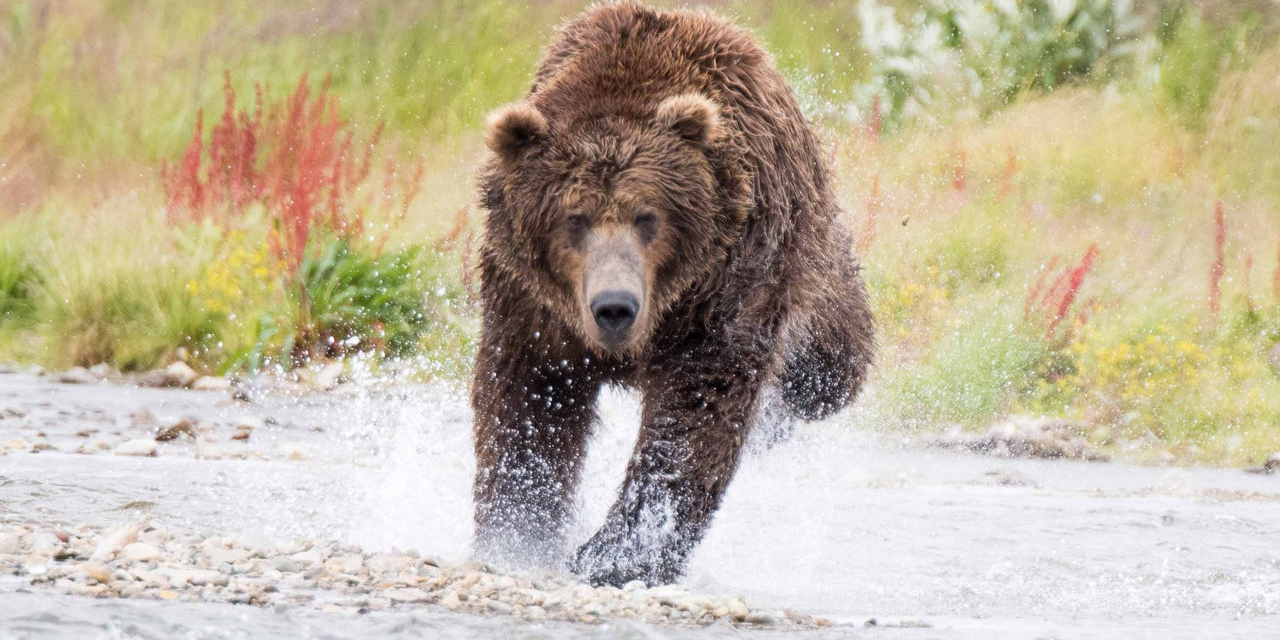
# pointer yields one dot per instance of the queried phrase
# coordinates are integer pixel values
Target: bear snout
(615, 312)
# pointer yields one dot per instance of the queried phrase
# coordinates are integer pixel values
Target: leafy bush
(990, 52)
(1192, 62)
(297, 163)
(19, 277)
(346, 301)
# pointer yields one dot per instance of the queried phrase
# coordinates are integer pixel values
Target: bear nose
(615, 311)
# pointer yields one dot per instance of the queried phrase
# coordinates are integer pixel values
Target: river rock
(143, 418)
(764, 618)
(10, 544)
(211, 383)
(141, 552)
(144, 447)
(77, 375)
(115, 540)
(14, 444)
(737, 609)
(232, 556)
(389, 564)
(293, 451)
(178, 374)
(44, 543)
(95, 572)
(329, 376)
(182, 427)
(451, 601)
(1269, 466)
(1027, 437)
(102, 371)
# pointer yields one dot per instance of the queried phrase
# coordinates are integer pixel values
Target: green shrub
(345, 301)
(1193, 60)
(19, 278)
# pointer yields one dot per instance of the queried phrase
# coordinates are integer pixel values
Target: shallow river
(836, 522)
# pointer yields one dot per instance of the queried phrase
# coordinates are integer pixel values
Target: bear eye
(646, 224)
(578, 225)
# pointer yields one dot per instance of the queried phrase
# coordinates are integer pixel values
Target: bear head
(611, 219)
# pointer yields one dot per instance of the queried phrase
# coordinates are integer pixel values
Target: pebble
(1027, 437)
(77, 375)
(183, 427)
(96, 572)
(211, 383)
(141, 552)
(142, 560)
(764, 617)
(145, 447)
(14, 444)
(293, 451)
(10, 544)
(178, 374)
(329, 376)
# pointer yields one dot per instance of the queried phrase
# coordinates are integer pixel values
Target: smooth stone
(142, 447)
(44, 543)
(293, 451)
(763, 618)
(498, 606)
(10, 544)
(95, 572)
(77, 375)
(14, 444)
(307, 558)
(211, 383)
(233, 556)
(738, 609)
(329, 376)
(451, 601)
(389, 564)
(141, 552)
(182, 427)
(115, 540)
(407, 594)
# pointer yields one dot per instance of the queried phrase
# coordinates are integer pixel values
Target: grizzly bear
(660, 217)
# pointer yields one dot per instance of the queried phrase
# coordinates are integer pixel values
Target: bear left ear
(691, 116)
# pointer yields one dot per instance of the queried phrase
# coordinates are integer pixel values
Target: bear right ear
(514, 128)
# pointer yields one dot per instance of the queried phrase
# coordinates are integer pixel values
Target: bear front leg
(698, 404)
(533, 412)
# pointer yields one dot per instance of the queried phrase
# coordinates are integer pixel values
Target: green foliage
(970, 376)
(1195, 57)
(19, 280)
(345, 300)
(132, 319)
(973, 53)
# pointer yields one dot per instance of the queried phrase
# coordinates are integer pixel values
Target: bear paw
(610, 560)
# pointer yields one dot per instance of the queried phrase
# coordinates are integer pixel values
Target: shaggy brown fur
(662, 154)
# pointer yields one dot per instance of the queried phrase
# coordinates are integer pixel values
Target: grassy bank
(1073, 215)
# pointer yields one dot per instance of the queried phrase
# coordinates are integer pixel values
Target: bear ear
(691, 116)
(514, 128)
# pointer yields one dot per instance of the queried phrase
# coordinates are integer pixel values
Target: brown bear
(660, 217)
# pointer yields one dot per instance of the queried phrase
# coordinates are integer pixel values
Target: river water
(887, 539)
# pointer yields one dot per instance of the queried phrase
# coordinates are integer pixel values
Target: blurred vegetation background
(1064, 207)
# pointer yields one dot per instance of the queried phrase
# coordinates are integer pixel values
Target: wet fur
(752, 283)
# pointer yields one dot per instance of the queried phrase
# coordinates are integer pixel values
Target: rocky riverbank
(145, 560)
